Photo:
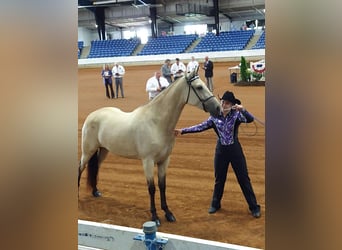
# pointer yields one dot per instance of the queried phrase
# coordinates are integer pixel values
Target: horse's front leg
(148, 169)
(152, 191)
(162, 167)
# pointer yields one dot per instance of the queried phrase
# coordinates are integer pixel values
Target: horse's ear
(196, 69)
(191, 74)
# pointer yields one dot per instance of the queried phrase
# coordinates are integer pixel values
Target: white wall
(215, 56)
(94, 235)
(86, 36)
(224, 25)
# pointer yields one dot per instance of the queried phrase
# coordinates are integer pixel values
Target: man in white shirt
(118, 72)
(178, 69)
(155, 85)
(193, 64)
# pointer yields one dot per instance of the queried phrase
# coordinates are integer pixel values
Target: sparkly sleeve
(208, 124)
(245, 116)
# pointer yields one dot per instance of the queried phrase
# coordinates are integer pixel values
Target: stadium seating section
(225, 41)
(260, 44)
(112, 48)
(168, 45)
(80, 47)
(228, 40)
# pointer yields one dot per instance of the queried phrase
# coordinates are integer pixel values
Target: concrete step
(253, 41)
(85, 52)
(193, 45)
(138, 49)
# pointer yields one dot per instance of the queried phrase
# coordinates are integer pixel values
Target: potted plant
(245, 75)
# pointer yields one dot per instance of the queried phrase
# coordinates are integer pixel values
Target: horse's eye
(199, 88)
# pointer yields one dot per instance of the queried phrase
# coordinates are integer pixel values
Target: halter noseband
(189, 81)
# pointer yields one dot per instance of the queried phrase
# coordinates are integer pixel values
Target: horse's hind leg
(162, 167)
(94, 160)
(148, 169)
(102, 155)
(93, 169)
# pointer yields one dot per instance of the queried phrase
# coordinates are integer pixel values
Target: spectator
(118, 73)
(166, 70)
(193, 64)
(107, 81)
(177, 69)
(208, 73)
(155, 85)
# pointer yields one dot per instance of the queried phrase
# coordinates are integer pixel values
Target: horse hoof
(170, 217)
(97, 193)
(157, 221)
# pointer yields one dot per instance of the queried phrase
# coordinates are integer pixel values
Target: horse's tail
(93, 169)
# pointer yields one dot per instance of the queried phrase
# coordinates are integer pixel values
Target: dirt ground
(190, 179)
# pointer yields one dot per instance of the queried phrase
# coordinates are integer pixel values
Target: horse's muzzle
(212, 106)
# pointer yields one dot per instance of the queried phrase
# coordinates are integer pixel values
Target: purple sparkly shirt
(225, 127)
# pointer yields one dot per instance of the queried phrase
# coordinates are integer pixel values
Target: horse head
(199, 95)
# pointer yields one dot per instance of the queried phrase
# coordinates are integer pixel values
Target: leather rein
(189, 81)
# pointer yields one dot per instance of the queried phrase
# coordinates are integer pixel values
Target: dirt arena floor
(190, 179)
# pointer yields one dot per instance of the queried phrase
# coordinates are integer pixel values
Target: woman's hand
(177, 132)
(238, 107)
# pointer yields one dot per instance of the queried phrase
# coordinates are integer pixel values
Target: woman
(228, 150)
(107, 80)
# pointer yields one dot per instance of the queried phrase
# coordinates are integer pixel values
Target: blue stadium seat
(112, 48)
(167, 44)
(226, 40)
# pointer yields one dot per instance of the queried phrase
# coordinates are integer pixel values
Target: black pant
(109, 86)
(232, 154)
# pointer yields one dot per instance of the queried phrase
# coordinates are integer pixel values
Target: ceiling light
(105, 2)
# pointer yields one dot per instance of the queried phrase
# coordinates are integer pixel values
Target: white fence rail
(256, 54)
(94, 236)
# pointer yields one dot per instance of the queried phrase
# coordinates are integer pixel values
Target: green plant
(244, 70)
(257, 76)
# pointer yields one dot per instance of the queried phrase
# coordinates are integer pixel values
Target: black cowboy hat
(229, 96)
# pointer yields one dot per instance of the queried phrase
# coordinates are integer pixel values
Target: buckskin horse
(146, 133)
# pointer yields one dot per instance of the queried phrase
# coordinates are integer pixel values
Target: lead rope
(245, 130)
(262, 123)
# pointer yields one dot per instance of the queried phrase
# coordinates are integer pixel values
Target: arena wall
(94, 235)
(217, 56)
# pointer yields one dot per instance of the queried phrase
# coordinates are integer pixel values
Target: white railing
(95, 236)
(256, 54)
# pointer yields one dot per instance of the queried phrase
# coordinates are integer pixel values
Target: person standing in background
(177, 69)
(155, 85)
(166, 70)
(107, 81)
(208, 73)
(193, 64)
(118, 72)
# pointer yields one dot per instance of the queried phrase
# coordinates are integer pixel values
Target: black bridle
(189, 81)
